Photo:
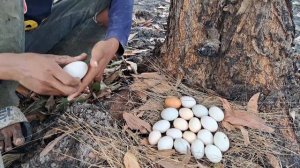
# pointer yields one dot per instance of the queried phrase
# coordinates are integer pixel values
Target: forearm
(8, 64)
(120, 17)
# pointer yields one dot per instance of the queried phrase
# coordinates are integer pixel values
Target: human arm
(40, 73)
(120, 18)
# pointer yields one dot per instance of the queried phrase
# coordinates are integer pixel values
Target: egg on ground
(194, 124)
(169, 114)
(187, 101)
(174, 133)
(165, 143)
(173, 102)
(197, 149)
(200, 110)
(209, 123)
(182, 146)
(221, 141)
(189, 136)
(213, 153)
(154, 137)
(161, 126)
(205, 136)
(216, 113)
(186, 113)
(181, 124)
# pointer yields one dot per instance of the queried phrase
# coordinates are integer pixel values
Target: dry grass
(109, 141)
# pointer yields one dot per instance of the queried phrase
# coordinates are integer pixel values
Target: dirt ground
(148, 32)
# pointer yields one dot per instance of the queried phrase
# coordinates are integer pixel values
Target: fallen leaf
(51, 145)
(50, 103)
(136, 123)
(150, 75)
(166, 153)
(142, 96)
(186, 159)
(152, 105)
(162, 88)
(245, 135)
(130, 161)
(252, 105)
(244, 118)
(144, 141)
(273, 160)
(227, 126)
(169, 163)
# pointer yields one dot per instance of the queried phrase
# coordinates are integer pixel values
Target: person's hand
(102, 53)
(42, 74)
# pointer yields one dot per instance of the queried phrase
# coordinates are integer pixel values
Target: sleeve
(120, 19)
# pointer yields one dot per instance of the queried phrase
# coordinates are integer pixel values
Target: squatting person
(29, 29)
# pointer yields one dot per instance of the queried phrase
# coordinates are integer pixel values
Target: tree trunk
(229, 46)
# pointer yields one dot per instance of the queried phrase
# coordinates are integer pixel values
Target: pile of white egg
(191, 129)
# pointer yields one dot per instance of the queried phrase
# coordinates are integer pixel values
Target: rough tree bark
(233, 47)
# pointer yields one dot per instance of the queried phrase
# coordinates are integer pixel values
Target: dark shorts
(69, 30)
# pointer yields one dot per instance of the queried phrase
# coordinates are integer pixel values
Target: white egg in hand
(213, 153)
(77, 69)
(200, 110)
(209, 123)
(161, 126)
(174, 133)
(165, 143)
(181, 145)
(194, 124)
(187, 101)
(169, 114)
(205, 136)
(197, 149)
(216, 113)
(154, 137)
(221, 141)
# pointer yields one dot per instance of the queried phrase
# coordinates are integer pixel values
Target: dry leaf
(130, 161)
(136, 123)
(144, 141)
(152, 105)
(252, 105)
(169, 163)
(162, 88)
(51, 145)
(166, 153)
(150, 75)
(50, 104)
(245, 135)
(244, 118)
(142, 96)
(273, 160)
(227, 126)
